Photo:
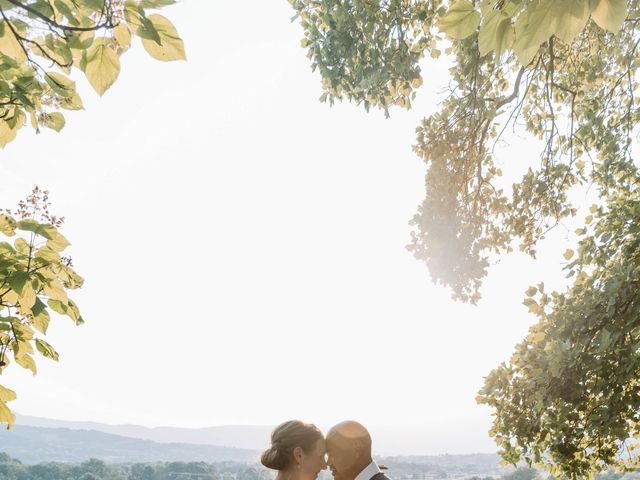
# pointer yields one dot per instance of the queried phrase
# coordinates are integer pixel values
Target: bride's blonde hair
(287, 436)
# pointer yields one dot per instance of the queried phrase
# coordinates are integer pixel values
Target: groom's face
(342, 457)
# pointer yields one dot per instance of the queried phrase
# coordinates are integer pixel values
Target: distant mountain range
(418, 440)
(39, 444)
(39, 440)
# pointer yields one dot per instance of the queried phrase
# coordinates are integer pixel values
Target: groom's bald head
(352, 432)
(349, 449)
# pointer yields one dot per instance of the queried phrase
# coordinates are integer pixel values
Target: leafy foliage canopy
(34, 283)
(565, 73)
(42, 41)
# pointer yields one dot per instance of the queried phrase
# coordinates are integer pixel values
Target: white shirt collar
(369, 471)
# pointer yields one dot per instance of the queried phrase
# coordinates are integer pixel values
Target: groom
(349, 453)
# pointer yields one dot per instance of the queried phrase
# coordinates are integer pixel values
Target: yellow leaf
(5, 415)
(8, 134)
(461, 20)
(568, 254)
(103, 66)
(533, 27)
(54, 290)
(574, 15)
(10, 47)
(171, 47)
(609, 14)
(496, 33)
(26, 361)
(27, 297)
(122, 34)
(7, 225)
(6, 395)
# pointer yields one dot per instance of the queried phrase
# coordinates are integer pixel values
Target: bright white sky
(243, 247)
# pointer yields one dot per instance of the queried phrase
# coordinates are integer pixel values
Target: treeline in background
(94, 469)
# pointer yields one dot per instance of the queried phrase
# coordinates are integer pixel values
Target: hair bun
(275, 458)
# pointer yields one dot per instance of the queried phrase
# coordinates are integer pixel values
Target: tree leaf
(7, 132)
(56, 240)
(7, 225)
(122, 34)
(574, 15)
(496, 33)
(5, 414)
(6, 395)
(461, 20)
(170, 47)
(54, 120)
(609, 14)
(61, 84)
(10, 46)
(156, 3)
(46, 350)
(72, 103)
(27, 362)
(533, 27)
(18, 280)
(103, 66)
(41, 316)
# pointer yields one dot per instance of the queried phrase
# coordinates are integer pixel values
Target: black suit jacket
(380, 476)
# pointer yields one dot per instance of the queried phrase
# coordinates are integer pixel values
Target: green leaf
(30, 225)
(568, 254)
(73, 312)
(95, 5)
(103, 66)
(62, 85)
(58, 306)
(41, 316)
(170, 47)
(80, 40)
(609, 14)
(461, 20)
(18, 280)
(156, 3)
(140, 24)
(531, 291)
(26, 295)
(46, 350)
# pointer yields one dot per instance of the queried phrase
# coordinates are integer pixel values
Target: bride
(297, 451)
